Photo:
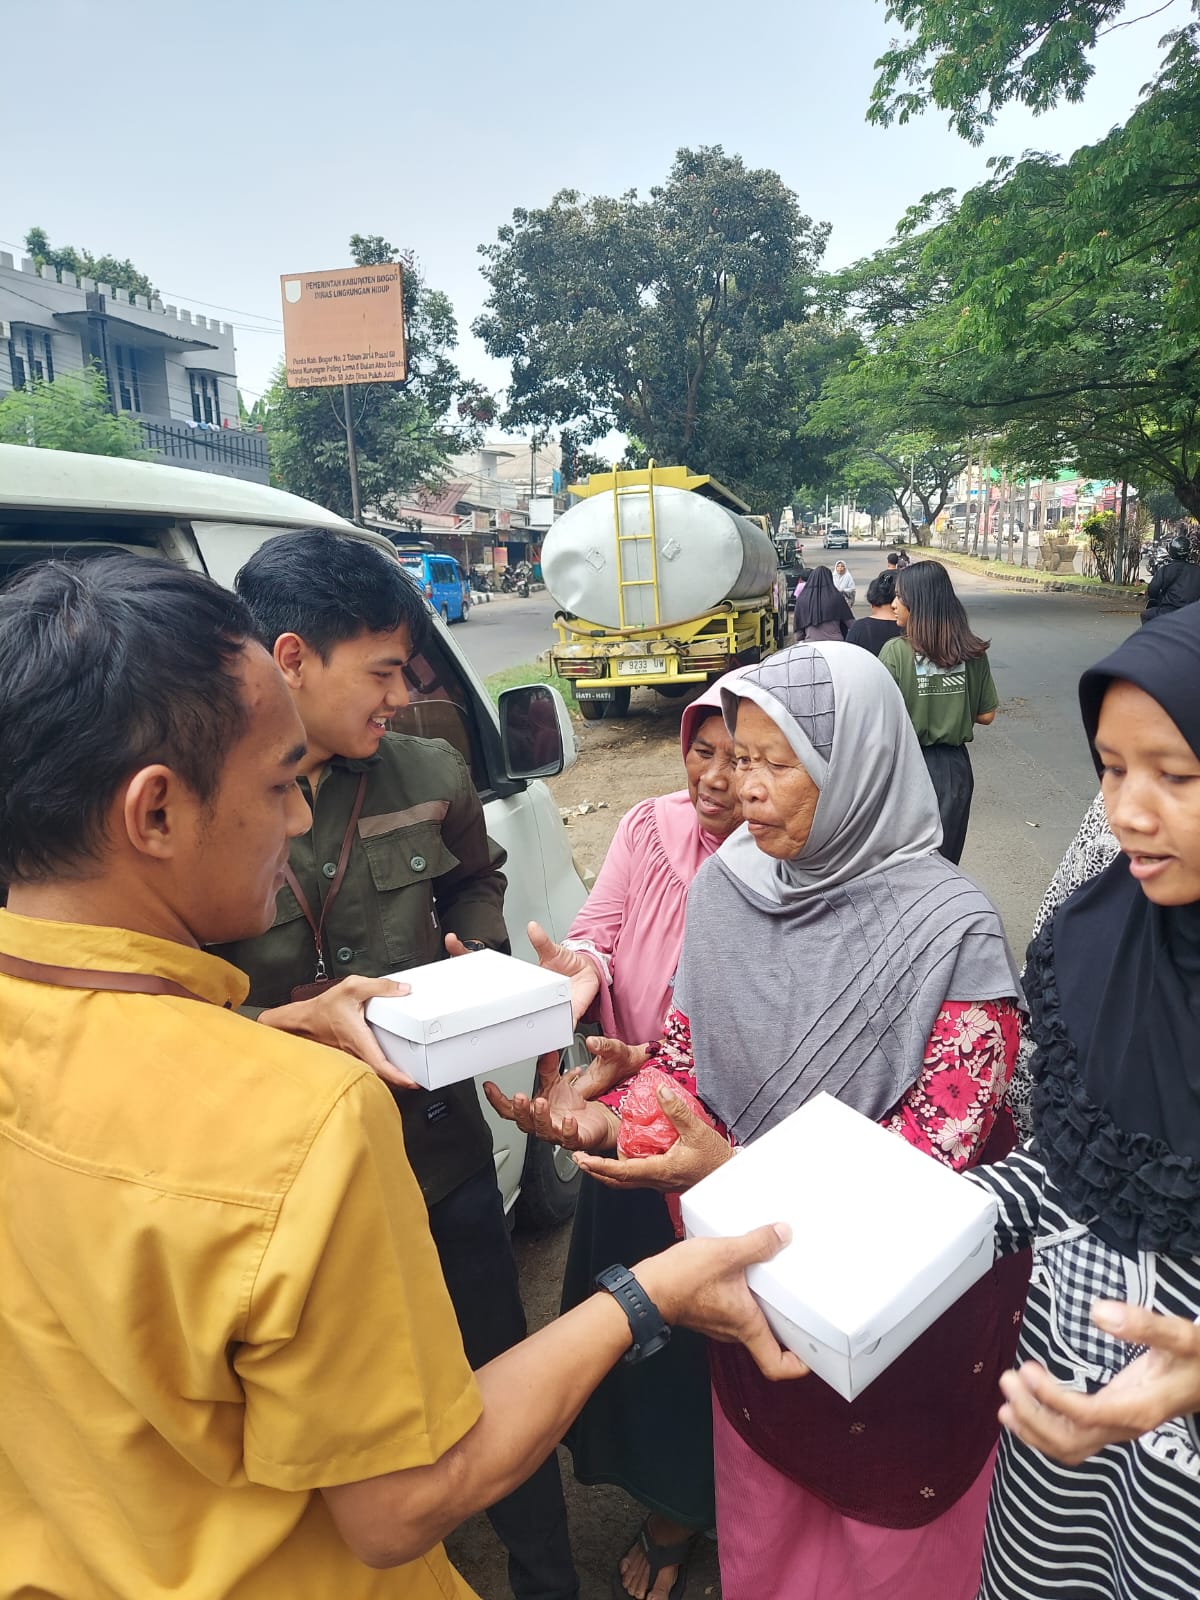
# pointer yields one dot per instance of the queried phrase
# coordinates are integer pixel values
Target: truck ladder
(623, 539)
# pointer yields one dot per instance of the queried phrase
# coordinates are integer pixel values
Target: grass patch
(1005, 569)
(530, 672)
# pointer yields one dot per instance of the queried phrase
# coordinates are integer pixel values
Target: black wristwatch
(473, 945)
(650, 1332)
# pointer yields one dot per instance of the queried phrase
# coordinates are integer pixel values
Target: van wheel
(619, 704)
(550, 1182)
(466, 610)
(446, 615)
(592, 710)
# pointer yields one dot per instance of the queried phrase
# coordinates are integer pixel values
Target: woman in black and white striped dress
(1097, 1488)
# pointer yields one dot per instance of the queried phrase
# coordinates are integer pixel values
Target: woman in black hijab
(822, 613)
(1097, 1488)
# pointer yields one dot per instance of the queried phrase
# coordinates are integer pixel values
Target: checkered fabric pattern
(1084, 1269)
(800, 680)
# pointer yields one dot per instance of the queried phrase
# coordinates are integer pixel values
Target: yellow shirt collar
(79, 944)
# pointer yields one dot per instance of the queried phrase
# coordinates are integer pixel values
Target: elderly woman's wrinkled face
(778, 797)
(711, 780)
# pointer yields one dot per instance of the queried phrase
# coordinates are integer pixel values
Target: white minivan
(56, 503)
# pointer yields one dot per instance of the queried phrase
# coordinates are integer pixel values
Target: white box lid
(876, 1224)
(465, 993)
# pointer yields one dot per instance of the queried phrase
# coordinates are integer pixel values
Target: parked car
(836, 539)
(56, 503)
(441, 581)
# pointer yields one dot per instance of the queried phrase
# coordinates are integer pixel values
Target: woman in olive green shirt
(943, 672)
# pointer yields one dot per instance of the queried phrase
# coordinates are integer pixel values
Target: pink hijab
(632, 924)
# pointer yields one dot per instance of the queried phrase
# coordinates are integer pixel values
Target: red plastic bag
(646, 1130)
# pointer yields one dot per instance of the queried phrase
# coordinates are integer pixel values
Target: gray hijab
(827, 972)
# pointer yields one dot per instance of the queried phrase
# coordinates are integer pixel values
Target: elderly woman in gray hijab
(830, 947)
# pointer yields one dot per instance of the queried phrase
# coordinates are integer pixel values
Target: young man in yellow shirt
(228, 1364)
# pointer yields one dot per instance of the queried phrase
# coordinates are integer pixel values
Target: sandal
(658, 1556)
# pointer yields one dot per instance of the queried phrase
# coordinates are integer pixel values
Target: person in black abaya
(1097, 1487)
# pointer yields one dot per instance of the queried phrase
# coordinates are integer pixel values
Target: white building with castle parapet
(172, 371)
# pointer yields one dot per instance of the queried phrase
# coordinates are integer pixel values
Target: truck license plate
(635, 665)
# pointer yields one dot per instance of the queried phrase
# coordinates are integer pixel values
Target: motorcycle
(515, 579)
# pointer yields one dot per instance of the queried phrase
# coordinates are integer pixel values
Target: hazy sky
(220, 145)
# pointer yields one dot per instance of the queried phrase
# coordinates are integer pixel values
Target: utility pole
(352, 457)
(1122, 527)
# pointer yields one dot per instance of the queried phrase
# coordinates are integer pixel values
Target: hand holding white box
(884, 1238)
(471, 1014)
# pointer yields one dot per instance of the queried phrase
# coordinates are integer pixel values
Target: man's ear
(292, 656)
(151, 811)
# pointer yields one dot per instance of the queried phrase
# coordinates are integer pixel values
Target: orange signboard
(344, 327)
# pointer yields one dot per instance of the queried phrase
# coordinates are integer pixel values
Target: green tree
(970, 58)
(404, 433)
(72, 413)
(670, 319)
(104, 269)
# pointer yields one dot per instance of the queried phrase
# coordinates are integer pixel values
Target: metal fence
(225, 450)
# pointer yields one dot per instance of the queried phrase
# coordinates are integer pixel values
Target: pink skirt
(778, 1542)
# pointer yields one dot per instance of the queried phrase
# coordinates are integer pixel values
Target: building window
(206, 398)
(129, 394)
(31, 356)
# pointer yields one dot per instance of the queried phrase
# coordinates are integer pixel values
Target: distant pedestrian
(873, 632)
(943, 672)
(843, 580)
(821, 611)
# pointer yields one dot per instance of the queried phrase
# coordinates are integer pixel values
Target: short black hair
(881, 591)
(107, 665)
(327, 587)
(894, 559)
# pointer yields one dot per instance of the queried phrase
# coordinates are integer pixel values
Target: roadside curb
(1106, 591)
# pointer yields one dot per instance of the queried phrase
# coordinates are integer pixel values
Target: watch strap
(650, 1332)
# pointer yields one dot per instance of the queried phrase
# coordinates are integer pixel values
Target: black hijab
(1129, 971)
(821, 601)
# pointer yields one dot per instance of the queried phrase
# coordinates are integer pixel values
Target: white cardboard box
(884, 1238)
(471, 1014)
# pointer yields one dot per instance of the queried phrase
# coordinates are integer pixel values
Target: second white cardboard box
(471, 1014)
(884, 1238)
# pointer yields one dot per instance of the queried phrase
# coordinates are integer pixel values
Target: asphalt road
(506, 631)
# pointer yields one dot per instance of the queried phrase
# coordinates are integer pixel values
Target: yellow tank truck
(663, 580)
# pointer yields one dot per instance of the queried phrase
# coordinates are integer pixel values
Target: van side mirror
(536, 737)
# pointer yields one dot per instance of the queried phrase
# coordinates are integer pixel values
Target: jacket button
(417, 863)
(330, 869)
(345, 954)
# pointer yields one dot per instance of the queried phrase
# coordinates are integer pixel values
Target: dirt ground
(620, 763)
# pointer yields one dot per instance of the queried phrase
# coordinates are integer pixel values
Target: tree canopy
(678, 319)
(104, 269)
(404, 433)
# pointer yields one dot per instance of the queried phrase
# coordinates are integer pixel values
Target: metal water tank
(705, 554)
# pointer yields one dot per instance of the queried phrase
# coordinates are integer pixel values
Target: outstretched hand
(551, 957)
(701, 1284)
(699, 1150)
(1162, 1383)
(338, 1017)
(559, 1115)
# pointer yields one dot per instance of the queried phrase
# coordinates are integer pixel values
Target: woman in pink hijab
(647, 1429)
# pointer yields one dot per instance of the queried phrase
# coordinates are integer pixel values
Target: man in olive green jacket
(397, 870)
